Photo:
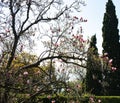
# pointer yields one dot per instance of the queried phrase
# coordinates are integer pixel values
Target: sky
(94, 13)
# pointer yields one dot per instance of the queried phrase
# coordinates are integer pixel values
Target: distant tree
(111, 46)
(93, 43)
(94, 73)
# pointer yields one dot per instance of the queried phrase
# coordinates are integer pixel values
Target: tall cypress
(111, 46)
(93, 75)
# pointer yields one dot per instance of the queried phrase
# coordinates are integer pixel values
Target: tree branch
(52, 57)
(27, 17)
(43, 19)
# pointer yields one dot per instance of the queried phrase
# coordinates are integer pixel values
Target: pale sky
(94, 13)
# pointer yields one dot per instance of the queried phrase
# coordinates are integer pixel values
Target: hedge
(70, 99)
(85, 99)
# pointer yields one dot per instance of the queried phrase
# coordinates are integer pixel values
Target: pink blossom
(110, 61)
(8, 30)
(20, 75)
(56, 45)
(91, 99)
(75, 17)
(25, 73)
(53, 61)
(81, 40)
(106, 58)
(78, 86)
(68, 89)
(81, 46)
(99, 81)
(105, 54)
(99, 101)
(101, 56)
(113, 68)
(81, 19)
(28, 81)
(37, 89)
(53, 101)
(85, 20)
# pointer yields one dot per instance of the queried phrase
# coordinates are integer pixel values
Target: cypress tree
(93, 75)
(111, 46)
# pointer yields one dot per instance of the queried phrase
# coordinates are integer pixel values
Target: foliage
(103, 99)
(94, 71)
(84, 99)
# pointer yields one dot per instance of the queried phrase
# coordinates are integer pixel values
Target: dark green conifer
(111, 46)
(93, 75)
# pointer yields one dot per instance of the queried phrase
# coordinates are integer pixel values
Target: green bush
(83, 99)
(109, 99)
(101, 99)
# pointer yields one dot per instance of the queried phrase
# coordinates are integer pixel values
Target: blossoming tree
(23, 22)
